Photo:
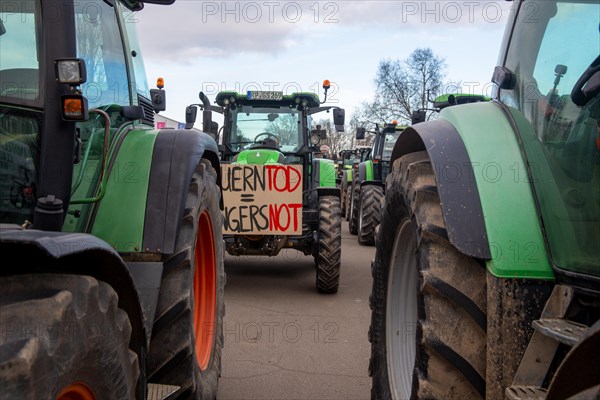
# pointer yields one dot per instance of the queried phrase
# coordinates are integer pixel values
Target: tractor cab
(381, 152)
(67, 89)
(272, 121)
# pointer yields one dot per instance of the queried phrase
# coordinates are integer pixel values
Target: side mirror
(339, 117)
(214, 128)
(159, 99)
(418, 117)
(360, 133)
(190, 116)
(132, 112)
(504, 78)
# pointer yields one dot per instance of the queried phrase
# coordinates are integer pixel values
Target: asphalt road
(283, 340)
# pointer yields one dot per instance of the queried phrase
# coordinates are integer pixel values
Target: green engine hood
(260, 156)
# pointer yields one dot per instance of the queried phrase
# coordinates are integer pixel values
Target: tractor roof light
(71, 71)
(326, 84)
(160, 83)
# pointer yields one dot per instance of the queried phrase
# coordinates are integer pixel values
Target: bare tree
(336, 141)
(404, 86)
(286, 127)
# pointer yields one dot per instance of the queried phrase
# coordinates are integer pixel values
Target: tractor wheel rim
(76, 391)
(205, 291)
(401, 313)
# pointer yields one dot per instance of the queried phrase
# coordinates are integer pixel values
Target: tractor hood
(260, 156)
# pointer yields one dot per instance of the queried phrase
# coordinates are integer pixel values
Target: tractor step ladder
(542, 347)
(567, 332)
(160, 392)
(525, 393)
(550, 331)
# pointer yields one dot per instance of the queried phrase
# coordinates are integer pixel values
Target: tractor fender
(484, 182)
(460, 201)
(365, 171)
(328, 191)
(323, 173)
(372, 183)
(77, 254)
(175, 157)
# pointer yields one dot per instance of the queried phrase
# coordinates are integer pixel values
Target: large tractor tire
(328, 259)
(354, 204)
(187, 336)
(369, 213)
(64, 337)
(343, 187)
(348, 203)
(428, 321)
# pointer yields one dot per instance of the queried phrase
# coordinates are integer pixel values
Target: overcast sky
(295, 45)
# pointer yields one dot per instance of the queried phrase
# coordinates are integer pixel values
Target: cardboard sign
(262, 199)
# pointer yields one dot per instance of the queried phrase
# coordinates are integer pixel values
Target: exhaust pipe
(206, 113)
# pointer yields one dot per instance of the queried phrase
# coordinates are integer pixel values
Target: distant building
(162, 122)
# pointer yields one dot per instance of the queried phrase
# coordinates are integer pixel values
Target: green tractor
(112, 284)
(278, 195)
(360, 155)
(486, 278)
(368, 182)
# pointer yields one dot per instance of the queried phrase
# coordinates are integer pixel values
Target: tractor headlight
(315, 139)
(71, 71)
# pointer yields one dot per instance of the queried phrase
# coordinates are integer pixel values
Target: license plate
(262, 95)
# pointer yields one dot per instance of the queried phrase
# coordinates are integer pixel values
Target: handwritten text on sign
(262, 199)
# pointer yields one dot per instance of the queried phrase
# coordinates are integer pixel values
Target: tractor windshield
(388, 145)
(558, 93)
(248, 125)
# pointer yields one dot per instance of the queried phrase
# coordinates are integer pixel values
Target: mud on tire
(343, 191)
(354, 203)
(428, 301)
(328, 260)
(369, 212)
(348, 203)
(62, 330)
(176, 337)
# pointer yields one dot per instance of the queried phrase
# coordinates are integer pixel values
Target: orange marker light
(160, 83)
(394, 122)
(73, 108)
(326, 84)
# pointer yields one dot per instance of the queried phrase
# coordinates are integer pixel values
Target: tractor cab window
(19, 129)
(250, 125)
(99, 44)
(558, 94)
(388, 145)
(19, 64)
(141, 81)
